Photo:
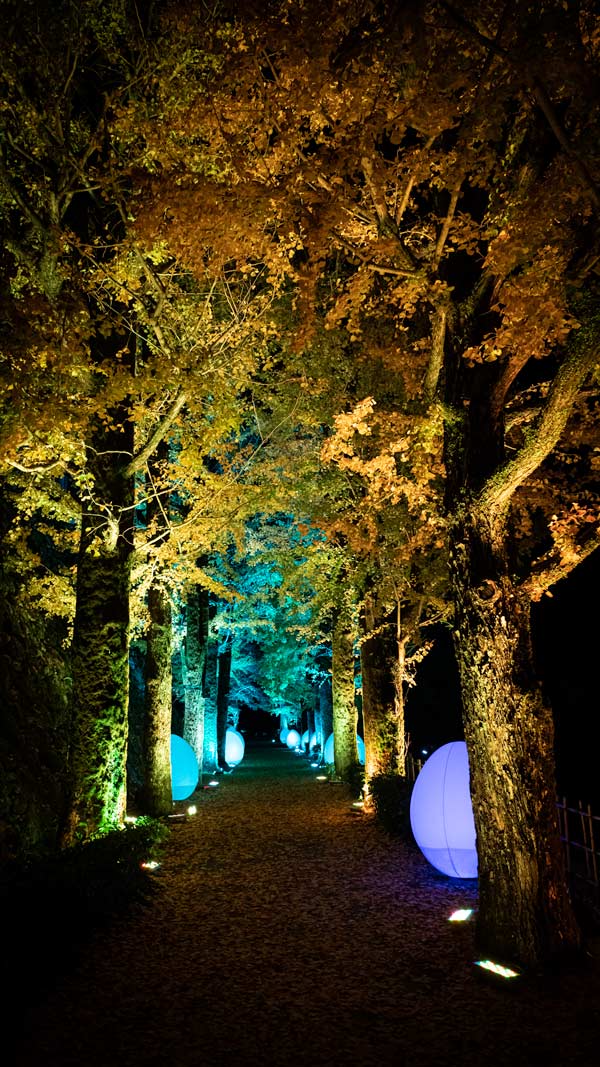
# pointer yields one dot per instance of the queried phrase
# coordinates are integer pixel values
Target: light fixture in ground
(150, 865)
(497, 968)
(461, 915)
(321, 778)
(192, 810)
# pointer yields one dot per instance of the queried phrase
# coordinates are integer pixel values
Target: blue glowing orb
(441, 814)
(309, 741)
(292, 739)
(184, 768)
(283, 734)
(329, 754)
(234, 747)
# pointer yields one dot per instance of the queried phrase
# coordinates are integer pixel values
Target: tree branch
(537, 87)
(543, 435)
(141, 457)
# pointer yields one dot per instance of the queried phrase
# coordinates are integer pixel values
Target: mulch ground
(285, 929)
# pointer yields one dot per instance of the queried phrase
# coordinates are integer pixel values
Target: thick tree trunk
(157, 794)
(100, 658)
(223, 681)
(344, 705)
(195, 660)
(381, 658)
(524, 907)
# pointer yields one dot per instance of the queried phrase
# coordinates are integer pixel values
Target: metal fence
(580, 835)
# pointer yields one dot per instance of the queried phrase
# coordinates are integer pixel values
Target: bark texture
(157, 793)
(209, 691)
(196, 641)
(100, 658)
(344, 705)
(524, 907)
(223, 682)
(383, 705)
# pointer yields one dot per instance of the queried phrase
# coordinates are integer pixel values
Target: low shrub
(391, 794)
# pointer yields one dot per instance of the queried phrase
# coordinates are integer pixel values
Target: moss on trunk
(157, 793)
(100, 687)
(524, 907)
(344, 706)
(196, 641)
(383, 705)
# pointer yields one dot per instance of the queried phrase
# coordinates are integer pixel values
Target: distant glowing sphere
(283, 734)
(184, 768)
(304, 741)
(328, 751)
(235, 746)
(441, 814)
(292, 739)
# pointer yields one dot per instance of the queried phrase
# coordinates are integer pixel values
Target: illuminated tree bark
(524, 906)
(344, 705)
(195, 660)
(524, 909)
(157, 792)
(381, 658)
(223, 682)
(100, 650)
(209, 692)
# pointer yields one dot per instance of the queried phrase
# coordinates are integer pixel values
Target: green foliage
(56, 901)
(88, 882)
(356, 779)
(391, 795)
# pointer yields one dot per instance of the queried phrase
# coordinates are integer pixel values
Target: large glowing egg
(441, 814)
(283, 734)
(304, 741)
(235, 746)
(328, 751)
(293, 739)
(184, 768)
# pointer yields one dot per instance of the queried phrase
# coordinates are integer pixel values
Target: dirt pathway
(287, 930)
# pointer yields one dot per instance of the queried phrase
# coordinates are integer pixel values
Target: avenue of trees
(300, 328)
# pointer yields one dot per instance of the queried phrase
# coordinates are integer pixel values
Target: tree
(426, 187)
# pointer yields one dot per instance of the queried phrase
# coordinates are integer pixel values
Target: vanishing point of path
(288, 930)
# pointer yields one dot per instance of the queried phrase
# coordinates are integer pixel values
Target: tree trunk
(157, 793)
(195, 659)
(100, 658)
(382, 689)
(209, 692)
(524, 907)
(344, 705)
(323, 714)
(224, 677)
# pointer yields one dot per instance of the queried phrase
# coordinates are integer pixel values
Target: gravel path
(288, 930)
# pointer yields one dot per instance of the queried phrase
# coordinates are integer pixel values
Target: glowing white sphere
(184, 768)
(292, 739)
(313, 742)
(441, 814)
(235, 746)
(329, 754)
(304, 741)
(283, 734)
